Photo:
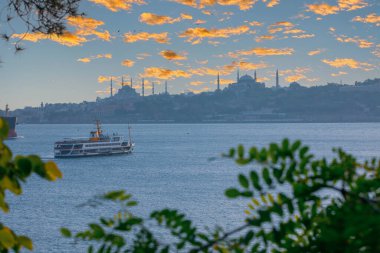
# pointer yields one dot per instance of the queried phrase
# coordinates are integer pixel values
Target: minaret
(277, 80)
(238, 75)
(122, 81)
(111, 88)
(166, 87)
(255, 76)
(218, 83)
(142, 88)
(131, 83)
(152, 88)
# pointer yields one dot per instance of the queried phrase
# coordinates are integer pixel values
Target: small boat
(97, 144)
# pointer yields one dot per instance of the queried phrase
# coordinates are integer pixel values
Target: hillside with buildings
(246, 100)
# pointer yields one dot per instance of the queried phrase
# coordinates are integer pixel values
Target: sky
(187, 43)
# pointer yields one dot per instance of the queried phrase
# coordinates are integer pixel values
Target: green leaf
(26, 242)
(267, 177)
(114, 195)
(255, 180)
(52, 171)
(132, 203)
(243, 180)
(248, 237)
(97, 230)
(303, 151)
(295, 145)
(6, 238)
(3, 129)
(66, 232)
(232, 193)
(240, 151)
(232, 152)
(24, 165)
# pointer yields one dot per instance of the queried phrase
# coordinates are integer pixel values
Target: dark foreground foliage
(13, 172)
(295, 203)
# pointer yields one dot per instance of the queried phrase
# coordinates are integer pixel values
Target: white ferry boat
(97, 144)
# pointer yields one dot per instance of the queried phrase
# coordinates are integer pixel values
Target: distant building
(125, 92)
(277, 80)
(295, 85)
(218, 83)
(246, 82)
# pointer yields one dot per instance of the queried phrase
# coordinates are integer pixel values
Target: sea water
(173, 166)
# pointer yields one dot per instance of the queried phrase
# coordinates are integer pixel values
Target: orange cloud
(98, 56)
(370, 18)
(171, 55)
(242, 4)
(294, 31)
(186, 16)
(261, 51)
(196, 83)
(255, 23)
(199, 90)
(102, 79)
(116, 5)
(347, 62)
(161, 38)
(323, 9)
(243, 65)
(272, 3)
(295, 78)
(264, 37)
(315, 52)
(195, 35)
(208, 71)
(359, 42)
(199, 22)
(343, 5)
(153, 19)
(351, 5)
(192, 3)
(206, 12)
(128, 63)
(87, 26)
(67, 38)
(163, 73)
(340, 73)
(275, 30)
(303, 36)
(224, 81)
(283, 23)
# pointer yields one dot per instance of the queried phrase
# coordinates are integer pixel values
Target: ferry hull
(93, 154)
(87, 153)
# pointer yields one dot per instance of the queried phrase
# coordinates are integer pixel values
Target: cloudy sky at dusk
(187, 42)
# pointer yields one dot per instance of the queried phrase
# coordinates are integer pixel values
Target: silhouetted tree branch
(38, 16)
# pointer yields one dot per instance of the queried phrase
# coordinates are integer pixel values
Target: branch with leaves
(296, 203)
(13, 172)
(39, 16)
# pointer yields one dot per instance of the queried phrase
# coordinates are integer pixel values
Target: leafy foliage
(296, 203)
(13, 172)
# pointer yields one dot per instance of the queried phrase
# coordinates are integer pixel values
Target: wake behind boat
(97, 144)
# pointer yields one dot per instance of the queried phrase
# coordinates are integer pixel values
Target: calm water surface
(169, 168)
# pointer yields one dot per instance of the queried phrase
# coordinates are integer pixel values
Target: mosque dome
(246, 78)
